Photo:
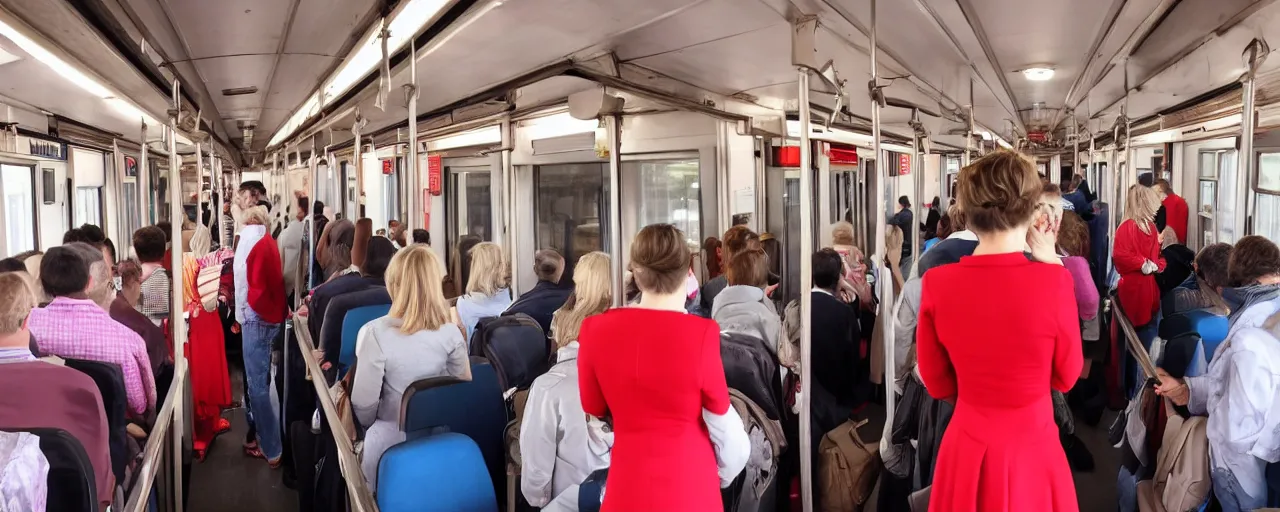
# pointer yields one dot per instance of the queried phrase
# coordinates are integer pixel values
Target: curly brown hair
(1073, 236)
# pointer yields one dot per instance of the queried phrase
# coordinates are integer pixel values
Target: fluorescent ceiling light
(844, 137)
(558, 125)
(1003, 144)
(1038, 74)
(482, 136)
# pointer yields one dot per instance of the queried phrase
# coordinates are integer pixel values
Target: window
(88, 206)
(571, 209)
(471, 210)
(670, 194)
(1266, 213)
(1216, 203)
(19, 208)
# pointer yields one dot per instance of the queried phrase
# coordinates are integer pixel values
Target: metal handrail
(1131, 339)
(357, 489)
(139, 497)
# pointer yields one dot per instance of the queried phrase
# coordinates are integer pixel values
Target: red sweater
(1175, 215)
(266, 281)
(1139, 293)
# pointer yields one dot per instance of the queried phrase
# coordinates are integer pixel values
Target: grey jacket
(743, 310)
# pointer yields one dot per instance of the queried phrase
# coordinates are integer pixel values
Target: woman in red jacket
(1136, 256)
(657, 371)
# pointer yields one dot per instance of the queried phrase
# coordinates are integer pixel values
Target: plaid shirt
(79, 329)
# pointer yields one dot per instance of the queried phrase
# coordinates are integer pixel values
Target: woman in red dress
(657, 371)
(1137, 258)
(996, 331)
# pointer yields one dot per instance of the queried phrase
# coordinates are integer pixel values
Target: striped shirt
(16, 355)
(80, 329)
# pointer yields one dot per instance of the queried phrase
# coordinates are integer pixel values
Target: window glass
(473, 206)
(572, 209)
(1209, 164)
(19, 208)
(1266, 217)
(670, 194)
(1269, 173)
(1226, 202)
(88, 206)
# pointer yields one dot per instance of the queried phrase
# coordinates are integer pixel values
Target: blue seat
(440, 473)
(473, 408)
(351, 325)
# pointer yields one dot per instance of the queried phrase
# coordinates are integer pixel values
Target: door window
(670, 194)
(19, 208)
(571, 209)
(1266, 213)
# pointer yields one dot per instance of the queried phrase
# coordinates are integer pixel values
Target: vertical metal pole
(917, 185)
(121, 227)
(825, 219)
(177, 322)
(1113, 205)
(884, 275)
(1244, 176)
(141, 181)
(415, 203)
(310, 221)
(509, 217)
(1075, 146)
(199, 184)
(806, 295)
(613, 124)
(353, 212)
(968, 135)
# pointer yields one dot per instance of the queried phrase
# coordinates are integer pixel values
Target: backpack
(755, 489)
(752, 370)
(516, 347)
(1182, 479)
(848, 468)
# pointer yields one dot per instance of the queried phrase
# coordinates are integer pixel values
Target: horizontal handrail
(1131, 339)
(357, 489)
(157, 444)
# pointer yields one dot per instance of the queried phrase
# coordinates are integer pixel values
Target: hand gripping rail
(158, 444)
(357, 489)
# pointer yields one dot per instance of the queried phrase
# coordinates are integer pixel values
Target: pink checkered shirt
(79, 329)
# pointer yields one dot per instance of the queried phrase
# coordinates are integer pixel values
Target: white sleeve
(538, 443)
(732, 446)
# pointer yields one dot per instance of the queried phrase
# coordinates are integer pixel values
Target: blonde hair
(16, 301)
(1141, 205)
(488, 270)
(413, 281)
(592, 295)
(255, 215)
(842, 233)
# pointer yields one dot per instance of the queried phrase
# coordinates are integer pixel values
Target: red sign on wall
(435, 171)
(904, 164)
(388, 166)
(843, 156)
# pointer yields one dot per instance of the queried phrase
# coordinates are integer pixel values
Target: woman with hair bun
(1005, 325)
(656, 371)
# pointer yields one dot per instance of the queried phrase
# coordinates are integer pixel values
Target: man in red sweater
(261, 310)
(1175, 209)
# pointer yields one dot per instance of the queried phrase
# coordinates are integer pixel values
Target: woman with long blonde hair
(487, 287)
(558, 448)
(1136, 256)
(414, 341)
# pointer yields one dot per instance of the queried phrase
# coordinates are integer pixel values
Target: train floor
(227, 479)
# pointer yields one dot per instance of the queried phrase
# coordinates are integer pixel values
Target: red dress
(654, 372)
(1139, 293)
(995, 333)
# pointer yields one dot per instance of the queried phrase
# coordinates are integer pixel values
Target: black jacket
(541, 302)
(836, 341)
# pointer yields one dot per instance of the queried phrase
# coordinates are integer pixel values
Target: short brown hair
(548, 264)
(749, 267)
(149, 244)
(1212, 263)
(659, 259)
(738, 238)
(998, 192)
(1164, 186)
(16, 301)
(1254, 257)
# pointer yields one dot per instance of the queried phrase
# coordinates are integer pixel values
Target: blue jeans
(257, 336)
(1127, 490)
(1229, 494)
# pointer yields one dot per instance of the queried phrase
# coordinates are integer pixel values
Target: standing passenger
(737, 238)
(487, 293)
(558, 448)
(149, 244)
(260, 310)
(413, 342)
(740, 306)
(983, 324)
(903, 220)
(1175, 209)
(1137, 258)
(679, 441)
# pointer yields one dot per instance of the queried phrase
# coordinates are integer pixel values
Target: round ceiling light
(1038, 74)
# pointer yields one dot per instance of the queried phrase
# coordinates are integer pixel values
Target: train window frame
(636, 162)
(1269, 188)
(1266, 200)
(452, 228)
(602, 208)
(35, 208)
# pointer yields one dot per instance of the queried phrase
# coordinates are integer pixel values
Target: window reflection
(571, 209)
(1266, 214)
(19, 208)
(670, 194)
(88, 206)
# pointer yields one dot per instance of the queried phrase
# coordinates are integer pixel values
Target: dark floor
(228, 480)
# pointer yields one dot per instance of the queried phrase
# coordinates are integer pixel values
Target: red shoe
(222, 426)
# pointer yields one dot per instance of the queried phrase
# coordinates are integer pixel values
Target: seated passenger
(558, 450)
(737, 238)
(124, 310)
(677, 442)
(422, 236)
(943, 230)
(739, 308)
(337, 258)
(1203, 290)
(1241, 390)
(51, 396)
(335, 236)
(549, 294)
(373, 270)
(413, 342)
(24, 484)
(487, 293)
(149, 245)
(73, 326)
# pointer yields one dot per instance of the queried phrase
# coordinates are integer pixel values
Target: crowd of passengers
(1006, 297)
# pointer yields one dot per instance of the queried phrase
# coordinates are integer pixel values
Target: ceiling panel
(740, 63)
(322, 26)
(1189, 22)
(32, 82)
(295, 78)
(235, 72)
(706, 21)
(230, 27)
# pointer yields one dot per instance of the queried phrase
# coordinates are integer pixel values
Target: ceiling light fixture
(1038, 74)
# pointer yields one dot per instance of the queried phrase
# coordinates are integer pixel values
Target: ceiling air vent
(239, 91)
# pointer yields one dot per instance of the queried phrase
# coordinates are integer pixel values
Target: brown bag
(1181, 481)
(341, 394)
(848, 468)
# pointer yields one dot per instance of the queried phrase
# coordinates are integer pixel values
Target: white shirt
(290, 245)
(249, 237)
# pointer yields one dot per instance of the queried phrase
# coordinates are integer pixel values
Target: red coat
(1175, 215)
(654, 372)
(1139, 293)
(996, 350)
(266, 281)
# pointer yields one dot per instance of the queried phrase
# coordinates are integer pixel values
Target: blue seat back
(440, 473)
(473, 408)
(351, 325)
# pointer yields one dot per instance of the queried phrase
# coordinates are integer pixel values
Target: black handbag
(906, 417)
